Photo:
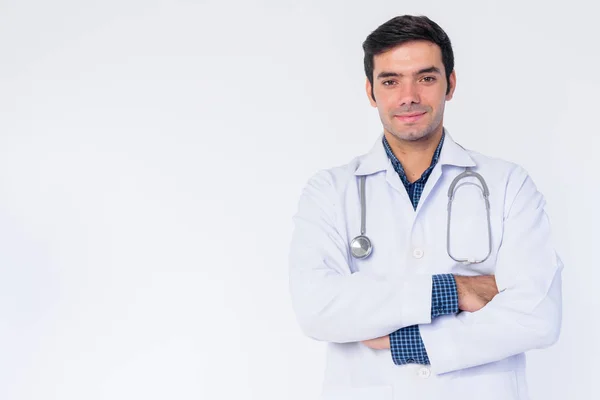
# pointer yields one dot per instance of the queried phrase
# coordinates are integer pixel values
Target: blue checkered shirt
(406, 343)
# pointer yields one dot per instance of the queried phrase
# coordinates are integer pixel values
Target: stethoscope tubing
(361, 246)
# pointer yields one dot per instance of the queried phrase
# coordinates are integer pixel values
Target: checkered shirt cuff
(407, 346)
(406, 343)
(444, 295)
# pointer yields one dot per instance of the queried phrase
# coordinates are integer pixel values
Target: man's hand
(380, 343)
(474, 292)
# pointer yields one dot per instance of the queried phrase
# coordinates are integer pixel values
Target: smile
(411, 118)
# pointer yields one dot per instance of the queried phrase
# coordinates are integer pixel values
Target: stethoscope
(361, 246)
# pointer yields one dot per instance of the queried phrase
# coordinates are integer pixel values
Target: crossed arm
(522, 313)
(451, 294)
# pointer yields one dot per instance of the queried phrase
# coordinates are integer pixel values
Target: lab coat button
(418, 253)
(424, 372)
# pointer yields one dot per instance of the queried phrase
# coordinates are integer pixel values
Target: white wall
(152, 155)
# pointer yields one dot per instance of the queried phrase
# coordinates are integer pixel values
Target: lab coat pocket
(358, 393)
(489, 386)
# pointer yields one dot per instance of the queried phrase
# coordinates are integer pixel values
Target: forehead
(409, 56)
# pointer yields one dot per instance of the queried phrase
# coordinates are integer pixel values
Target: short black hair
(404, 29)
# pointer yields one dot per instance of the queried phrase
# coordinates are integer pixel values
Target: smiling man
(428, 268)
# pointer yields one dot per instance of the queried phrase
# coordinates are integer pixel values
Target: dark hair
(403, 29)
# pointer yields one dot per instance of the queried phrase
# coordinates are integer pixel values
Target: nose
(409, 94)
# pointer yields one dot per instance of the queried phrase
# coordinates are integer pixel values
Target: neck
(415, 156)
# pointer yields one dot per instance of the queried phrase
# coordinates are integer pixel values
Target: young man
(453, 277)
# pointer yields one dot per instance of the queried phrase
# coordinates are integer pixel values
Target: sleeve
(527, 312)
(406, 344)
(444, 295)
(330, 302)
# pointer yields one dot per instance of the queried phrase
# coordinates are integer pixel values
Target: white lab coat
(342, 300)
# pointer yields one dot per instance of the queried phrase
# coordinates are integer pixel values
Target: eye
(429, 79)
(388, 83)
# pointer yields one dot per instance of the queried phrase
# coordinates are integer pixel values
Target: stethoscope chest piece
(361, 247)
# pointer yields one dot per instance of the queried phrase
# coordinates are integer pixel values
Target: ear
(368, 88)
(452, 79)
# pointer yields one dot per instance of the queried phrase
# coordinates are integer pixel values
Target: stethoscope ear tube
(466, 173)
(486, 193)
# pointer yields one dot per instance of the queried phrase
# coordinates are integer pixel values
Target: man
(452, 293)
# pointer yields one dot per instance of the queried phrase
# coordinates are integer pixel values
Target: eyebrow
(386, 74)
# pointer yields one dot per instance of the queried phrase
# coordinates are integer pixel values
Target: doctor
(449, 297)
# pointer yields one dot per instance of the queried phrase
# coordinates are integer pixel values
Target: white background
(152, 154)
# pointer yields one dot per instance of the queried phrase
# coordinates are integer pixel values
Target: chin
(411, 136)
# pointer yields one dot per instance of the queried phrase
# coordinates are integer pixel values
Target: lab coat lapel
(376, 160)
(452, 154)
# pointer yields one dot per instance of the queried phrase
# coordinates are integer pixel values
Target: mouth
(409, 117)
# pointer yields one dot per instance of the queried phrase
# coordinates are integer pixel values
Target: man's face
(409, 84)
